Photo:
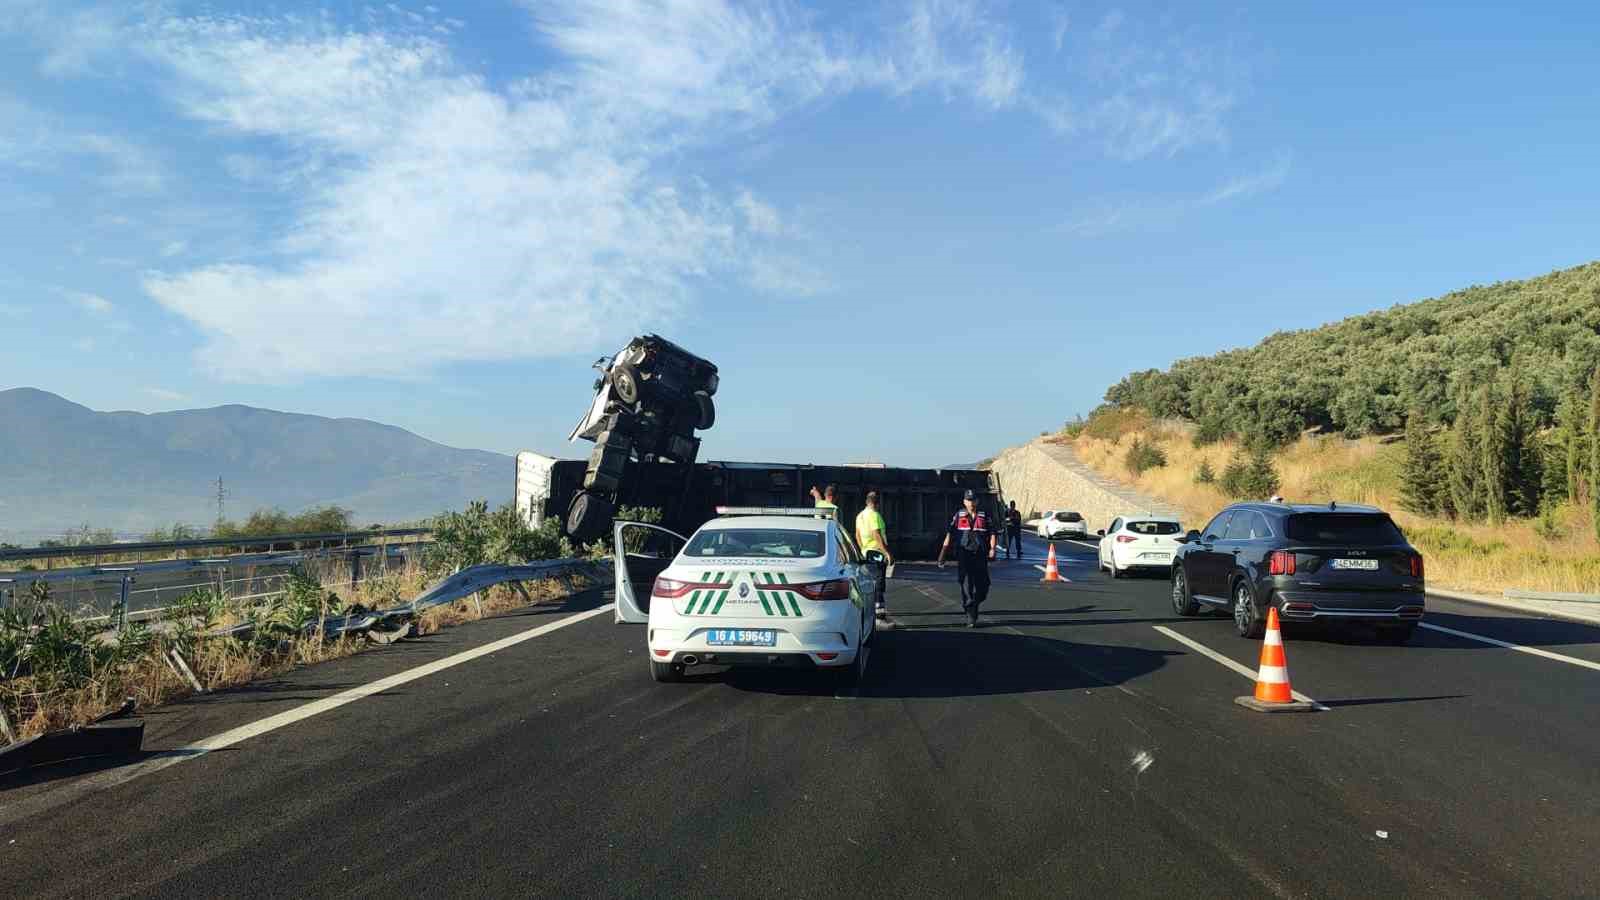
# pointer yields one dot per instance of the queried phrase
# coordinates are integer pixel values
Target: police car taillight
(838, 589)
(672, 589)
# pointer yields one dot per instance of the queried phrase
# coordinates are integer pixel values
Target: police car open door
(642, 552)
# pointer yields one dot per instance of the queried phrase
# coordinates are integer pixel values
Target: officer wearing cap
(974, 542)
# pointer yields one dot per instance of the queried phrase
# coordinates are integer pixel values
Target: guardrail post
(355, 568)
(122, 625)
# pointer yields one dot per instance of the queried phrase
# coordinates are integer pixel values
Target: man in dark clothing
(1013, 530)
(974, 542)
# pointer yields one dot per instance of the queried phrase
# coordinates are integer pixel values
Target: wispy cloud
(1268, 179)
(1144, 213)
(165, 395)
(92, 302)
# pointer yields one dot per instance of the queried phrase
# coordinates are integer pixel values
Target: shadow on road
(962, 663)
(1375, 701)
(1512, 629)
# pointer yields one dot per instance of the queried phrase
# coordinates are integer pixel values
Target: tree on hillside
(1494, 453)
(1261, 476)
(1424, 486)
(1594, 450)
(1463, 464)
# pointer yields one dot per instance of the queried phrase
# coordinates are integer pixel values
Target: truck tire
(587, 516)
(625, 380)
(706, 411)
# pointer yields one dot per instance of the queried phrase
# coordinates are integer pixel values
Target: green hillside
(1539, 338)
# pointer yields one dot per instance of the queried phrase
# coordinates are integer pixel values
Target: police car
(769, 587)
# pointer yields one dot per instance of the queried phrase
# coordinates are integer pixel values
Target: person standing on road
(1013, 530)
(872, 534)
(974, 542)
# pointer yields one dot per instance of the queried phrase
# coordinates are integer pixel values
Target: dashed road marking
(1534, 651)
(1203, 650)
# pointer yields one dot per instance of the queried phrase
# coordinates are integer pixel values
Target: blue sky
(912, 231)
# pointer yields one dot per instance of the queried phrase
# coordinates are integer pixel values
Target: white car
(753, 587)
(1062, 524)
(1139, 542)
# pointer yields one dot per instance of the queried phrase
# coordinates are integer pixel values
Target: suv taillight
(838, 589)
(1417, 567)
(1281, 562)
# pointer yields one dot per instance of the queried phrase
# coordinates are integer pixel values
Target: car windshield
(713, 543)
(1068, 517)
(1153, 527)
(1357, 529)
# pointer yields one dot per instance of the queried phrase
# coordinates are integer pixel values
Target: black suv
(1326, 564)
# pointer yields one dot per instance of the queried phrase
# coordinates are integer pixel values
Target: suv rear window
(1356, 529)
(1068, 517)
(720, 542)
(1153, 527)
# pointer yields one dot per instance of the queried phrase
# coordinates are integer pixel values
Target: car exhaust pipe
(689, 659)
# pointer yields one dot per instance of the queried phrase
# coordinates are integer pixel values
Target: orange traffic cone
(1051, 573)
(1273, 693)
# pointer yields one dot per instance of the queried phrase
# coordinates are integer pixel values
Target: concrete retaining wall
(1041, 476)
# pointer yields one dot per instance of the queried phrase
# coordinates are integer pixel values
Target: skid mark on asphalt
(1227, 662)
(1533, 651)
(114, 777)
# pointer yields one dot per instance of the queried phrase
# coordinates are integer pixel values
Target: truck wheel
(625, 379)
(586, 517)
(706, 410)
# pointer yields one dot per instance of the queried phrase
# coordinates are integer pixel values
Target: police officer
(974, 543)
(1013, 531)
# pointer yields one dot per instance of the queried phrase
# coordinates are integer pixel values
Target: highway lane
(1067, 748)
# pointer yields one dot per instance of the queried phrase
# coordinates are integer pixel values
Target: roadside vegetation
(1555, 550)
(57, 671)
(1474, 418)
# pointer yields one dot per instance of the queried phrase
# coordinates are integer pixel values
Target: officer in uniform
(974, 542)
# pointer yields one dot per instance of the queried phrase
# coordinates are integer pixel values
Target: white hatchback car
(1139, 542)
(754, 587)
(1062, 523)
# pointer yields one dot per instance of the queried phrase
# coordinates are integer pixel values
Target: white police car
(753, 587)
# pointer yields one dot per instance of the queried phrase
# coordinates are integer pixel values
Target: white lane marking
(1535, 651)
(1058, 573)
(112, 777)
(1202, 649)
(1094, 547)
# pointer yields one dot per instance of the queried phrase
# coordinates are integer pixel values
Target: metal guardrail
(91, 551)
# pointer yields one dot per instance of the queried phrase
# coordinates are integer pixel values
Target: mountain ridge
(63, 464)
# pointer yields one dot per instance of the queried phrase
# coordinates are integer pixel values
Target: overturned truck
(650, 399)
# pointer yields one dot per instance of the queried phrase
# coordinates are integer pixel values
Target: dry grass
(1468, 557)
(39, 704)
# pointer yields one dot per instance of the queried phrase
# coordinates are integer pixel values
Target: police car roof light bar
(797, 512)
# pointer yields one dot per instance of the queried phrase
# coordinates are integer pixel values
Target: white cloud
(174, 248)
(1130, 214)
(759, 217)
(435, 216)
(92, 302)
(166, 395)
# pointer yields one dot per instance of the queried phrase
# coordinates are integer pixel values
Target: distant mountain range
(63, 465)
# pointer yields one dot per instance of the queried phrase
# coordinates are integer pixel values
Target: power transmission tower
(222, 494)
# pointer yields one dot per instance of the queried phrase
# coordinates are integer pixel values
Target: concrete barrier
(1041, 475)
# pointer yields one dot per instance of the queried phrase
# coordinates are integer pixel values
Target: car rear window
(713, 543)
(1153, 527)
(1356, 529)
(1068, 517)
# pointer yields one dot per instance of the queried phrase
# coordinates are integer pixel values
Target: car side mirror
(1101, 532)
(1193, 537)
(876, 556)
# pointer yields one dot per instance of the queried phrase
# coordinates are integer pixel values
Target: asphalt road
(1068, 748)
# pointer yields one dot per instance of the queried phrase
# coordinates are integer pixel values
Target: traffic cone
(1051, 573)
(1273, 693)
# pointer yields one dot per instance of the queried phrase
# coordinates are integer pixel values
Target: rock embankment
(1043, 475)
